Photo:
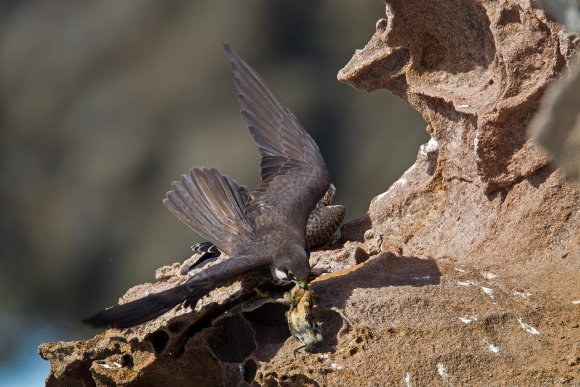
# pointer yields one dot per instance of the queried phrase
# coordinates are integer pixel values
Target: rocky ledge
(465, 271)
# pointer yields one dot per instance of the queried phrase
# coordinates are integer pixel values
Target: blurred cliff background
(103, 104)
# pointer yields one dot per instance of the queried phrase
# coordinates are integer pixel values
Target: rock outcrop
(465, 271)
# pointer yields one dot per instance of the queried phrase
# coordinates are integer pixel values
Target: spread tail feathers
(144, 309)
(213, 206)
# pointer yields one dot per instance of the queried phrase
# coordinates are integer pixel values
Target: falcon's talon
(202, 247)
(261, 293)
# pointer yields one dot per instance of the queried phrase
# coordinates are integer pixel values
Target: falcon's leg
(261, 293)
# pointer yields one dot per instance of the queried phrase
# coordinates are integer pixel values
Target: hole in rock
(268, 314)
(249, 369)
(232, 340)
(270, 328)
(158, 339)
(127, 360)
(176, 326)
(360, 255)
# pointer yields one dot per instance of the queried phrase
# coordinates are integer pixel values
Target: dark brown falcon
(264, 235)
(322, 224)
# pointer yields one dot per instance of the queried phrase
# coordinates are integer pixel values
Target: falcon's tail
(213, 206)
(144, 309)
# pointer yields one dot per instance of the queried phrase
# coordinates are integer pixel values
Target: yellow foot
(333, 238)
(261, 293)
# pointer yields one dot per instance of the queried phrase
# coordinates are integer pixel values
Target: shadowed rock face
(465, 271)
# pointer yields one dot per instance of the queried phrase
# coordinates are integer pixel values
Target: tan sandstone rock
(465, 271)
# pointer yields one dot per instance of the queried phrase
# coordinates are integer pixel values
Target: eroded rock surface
(465, 271)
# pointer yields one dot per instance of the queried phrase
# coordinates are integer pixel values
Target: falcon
(322, 224)
(264, 234)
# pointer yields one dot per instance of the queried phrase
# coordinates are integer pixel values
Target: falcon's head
(293, 267)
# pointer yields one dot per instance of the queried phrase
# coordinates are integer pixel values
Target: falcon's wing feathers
(294, 175)
(212, 205)
(274, 127)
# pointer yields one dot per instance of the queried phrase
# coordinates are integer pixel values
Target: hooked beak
(300, 284)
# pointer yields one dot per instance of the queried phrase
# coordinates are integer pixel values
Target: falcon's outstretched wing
(294, 175)
(212, 205)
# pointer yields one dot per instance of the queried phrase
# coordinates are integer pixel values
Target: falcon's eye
(291, 276)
